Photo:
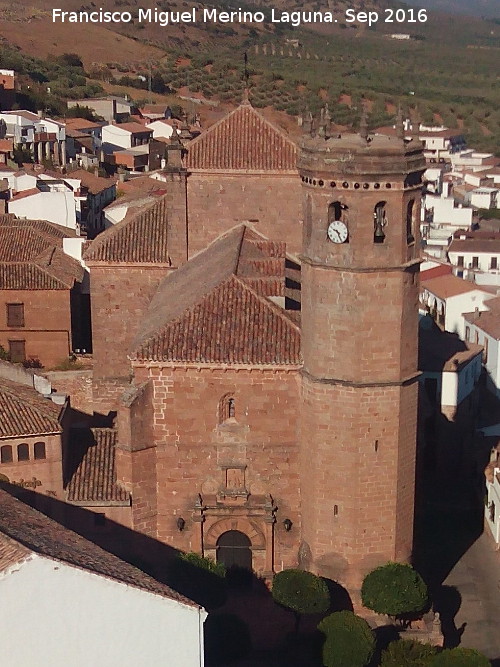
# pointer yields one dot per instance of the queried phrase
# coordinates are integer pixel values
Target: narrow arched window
(337, 211)
(227, 408)
(410, 236)
(39, 450)
(379, 222)
(6, 454)
(23, 452)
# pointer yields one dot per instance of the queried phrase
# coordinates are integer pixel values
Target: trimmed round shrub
(205, 563)
(407, 653)
(460, 657)
(349, 640)
(301, 591)
(395, 589)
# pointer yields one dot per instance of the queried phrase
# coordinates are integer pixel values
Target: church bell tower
(360, 279)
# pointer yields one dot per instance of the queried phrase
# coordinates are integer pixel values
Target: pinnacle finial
(363, 125)
(400, 128)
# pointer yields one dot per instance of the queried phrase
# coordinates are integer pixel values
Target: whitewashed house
(492, 505)
(476, 259)
(447, 298)
(483, 327)
(66, 601)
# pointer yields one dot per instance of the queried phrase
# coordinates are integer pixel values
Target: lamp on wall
(287, 525)
(181, 523)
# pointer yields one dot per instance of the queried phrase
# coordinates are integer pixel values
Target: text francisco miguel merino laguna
(194, 15)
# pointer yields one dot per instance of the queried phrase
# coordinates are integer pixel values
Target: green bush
(349, 640)
(395, 589)
(199, 579)
(407, 653)
(205, 563)
(460, 657)
(301, 591)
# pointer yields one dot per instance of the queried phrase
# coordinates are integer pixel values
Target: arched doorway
(233, 550)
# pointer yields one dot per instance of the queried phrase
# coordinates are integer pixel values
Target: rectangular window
(17, 350)
(475, 262)
(494, 263)
(485, 350)
(460, 260)
(15, 315)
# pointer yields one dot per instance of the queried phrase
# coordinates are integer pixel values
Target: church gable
(242, 141)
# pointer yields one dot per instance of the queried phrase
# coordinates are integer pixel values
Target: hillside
(486, 8)
(446, 73)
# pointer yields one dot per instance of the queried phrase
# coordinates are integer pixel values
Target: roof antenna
(400, 128)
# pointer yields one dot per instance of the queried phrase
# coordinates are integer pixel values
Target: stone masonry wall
(272, 203)
(193, 449)
(47, 324)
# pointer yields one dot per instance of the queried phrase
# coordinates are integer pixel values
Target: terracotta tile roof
(31, 256)
(93, 476)
(28, 115)
(11, 553)
(25, 193)
(443, 351)
(95, 184)
(488, 321)
(449, 286)
(475, 245)
(206, 313)
(81, 124)
(45, 537)
(24, 412)
(242, 140)
(134, 128)
(142, 238)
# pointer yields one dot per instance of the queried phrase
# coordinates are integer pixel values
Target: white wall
(491, 346)
(160, 129)
(446, 212)
(494, 497)
(53, 614)
(57, 207)
(111, 134)
(463, 303)
(484, 259)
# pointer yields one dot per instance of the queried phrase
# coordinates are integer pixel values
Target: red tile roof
(206, 312)
(488, 321)
(134, 128)
(449, 286)
(242, 141)
(142, 238)
(11, 553)
(93, 480)
(93, 183)
(443, 351)
(31, 256)
(25, 193)
(24, 412)
(41, 535)
(475, 245)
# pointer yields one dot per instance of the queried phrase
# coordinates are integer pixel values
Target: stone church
(265, 393)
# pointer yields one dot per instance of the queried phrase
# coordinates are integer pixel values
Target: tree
(395, 589)
(22, 155)
(460, 657)
(302, 592)
(349, 640)
(408, 653)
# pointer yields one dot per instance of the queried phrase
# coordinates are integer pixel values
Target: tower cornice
(407, 266)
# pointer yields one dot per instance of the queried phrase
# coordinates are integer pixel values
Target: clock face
(337, 231)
